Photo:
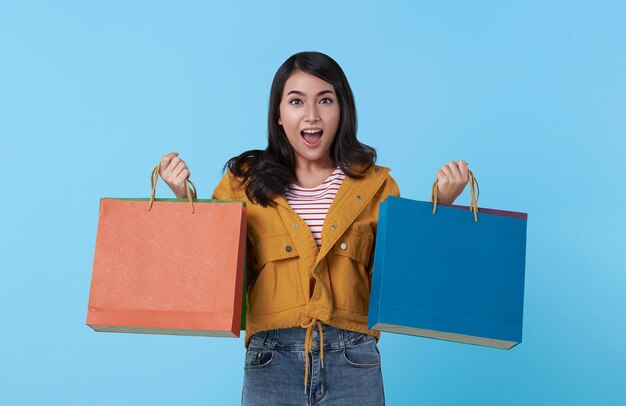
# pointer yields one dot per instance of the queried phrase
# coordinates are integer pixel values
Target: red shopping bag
(168, 266)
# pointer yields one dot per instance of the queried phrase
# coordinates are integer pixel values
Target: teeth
(311, 131)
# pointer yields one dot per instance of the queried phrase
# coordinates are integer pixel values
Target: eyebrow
(302, 94)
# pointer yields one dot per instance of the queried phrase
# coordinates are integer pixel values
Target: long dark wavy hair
(268, 173)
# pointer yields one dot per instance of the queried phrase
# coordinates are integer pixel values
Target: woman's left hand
(451, 180)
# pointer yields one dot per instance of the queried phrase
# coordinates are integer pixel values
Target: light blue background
(531, 94)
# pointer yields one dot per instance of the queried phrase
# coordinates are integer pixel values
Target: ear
(280, 122)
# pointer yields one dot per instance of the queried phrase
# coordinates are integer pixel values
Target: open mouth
(312, 136)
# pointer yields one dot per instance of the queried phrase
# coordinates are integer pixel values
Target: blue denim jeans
(275, 365)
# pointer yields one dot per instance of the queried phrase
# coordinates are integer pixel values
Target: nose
(311, 114)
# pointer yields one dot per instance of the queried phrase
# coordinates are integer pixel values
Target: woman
(312, 198)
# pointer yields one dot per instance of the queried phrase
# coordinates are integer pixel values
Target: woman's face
(309, 114)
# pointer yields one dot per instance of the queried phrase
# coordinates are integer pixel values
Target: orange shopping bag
(168, 266)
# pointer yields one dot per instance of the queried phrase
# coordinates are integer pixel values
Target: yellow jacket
(292, 283)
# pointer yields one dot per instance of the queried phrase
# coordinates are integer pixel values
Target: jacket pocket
(349, 271)
(276, 284)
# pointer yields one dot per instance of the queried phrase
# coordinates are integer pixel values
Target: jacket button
(333, 227)
(358, 197)
(288, 248)
(294, 225)
(343, 245)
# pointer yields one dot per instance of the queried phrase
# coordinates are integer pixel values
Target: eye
(326, 100)
(295, 101)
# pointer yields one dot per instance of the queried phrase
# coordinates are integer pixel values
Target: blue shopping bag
(448, 273)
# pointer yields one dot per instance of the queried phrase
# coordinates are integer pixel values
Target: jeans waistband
(292, 339)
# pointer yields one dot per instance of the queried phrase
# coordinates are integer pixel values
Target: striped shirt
(312, 204)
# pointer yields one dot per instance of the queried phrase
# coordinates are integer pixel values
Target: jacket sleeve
(227, 188)
(390, 188)
(395, 189)
(220, 190)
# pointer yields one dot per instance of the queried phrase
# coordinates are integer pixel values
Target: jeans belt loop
(265, 338)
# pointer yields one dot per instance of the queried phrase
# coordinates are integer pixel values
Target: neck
(310, 174)
(305, 166)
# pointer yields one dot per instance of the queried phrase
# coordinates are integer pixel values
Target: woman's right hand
(175, 173)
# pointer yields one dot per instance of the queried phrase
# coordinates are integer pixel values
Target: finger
(454, 168)
(179, 168)
(182, 176)
(169, 169)
(464, 171)
(187, 172)
(165, 159)
(441, 175)
(447, 171)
